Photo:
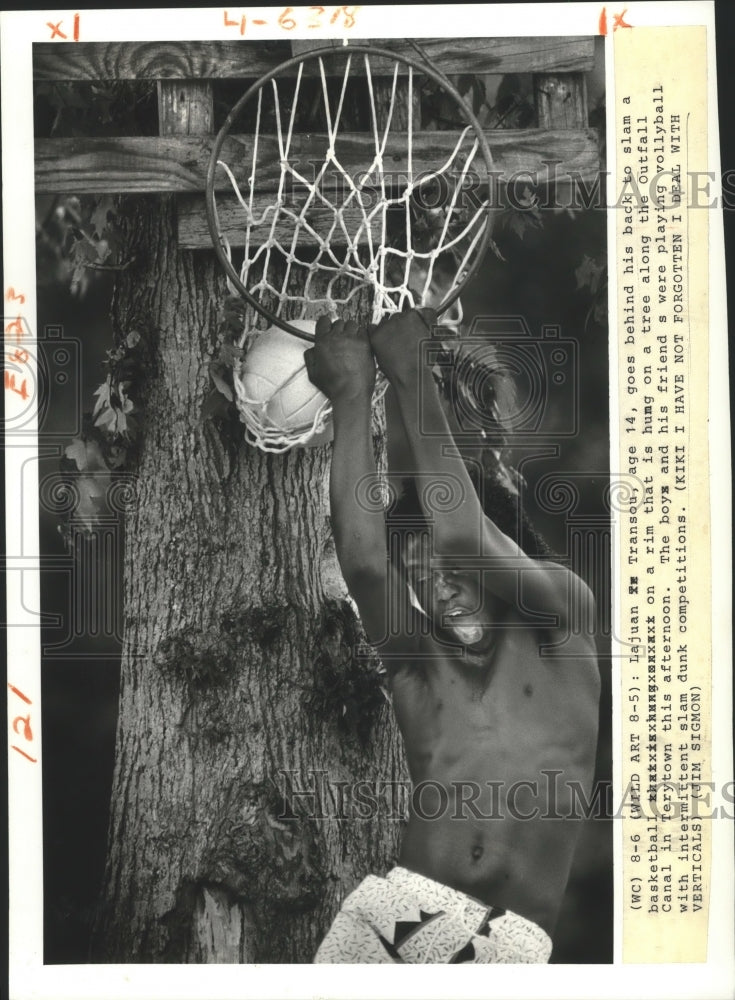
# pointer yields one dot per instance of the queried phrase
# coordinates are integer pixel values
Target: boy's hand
(341, 362)
(396, 342)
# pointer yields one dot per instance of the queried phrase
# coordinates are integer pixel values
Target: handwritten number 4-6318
(289, 19)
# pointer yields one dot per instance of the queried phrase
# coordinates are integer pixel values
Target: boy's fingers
(323, 325)
(429, 316)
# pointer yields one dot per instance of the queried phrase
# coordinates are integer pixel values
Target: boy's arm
(461, 531)
(401, 465)
(341, 364)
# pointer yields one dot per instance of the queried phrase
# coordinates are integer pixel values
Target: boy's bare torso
(495, 742)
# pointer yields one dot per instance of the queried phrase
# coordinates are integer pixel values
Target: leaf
(103, 251)
(216, 406)
(527, 199)
(588, 274)
(132, 340)
(77, 451)
(524, 215)
(519, 223)
(496, 250)
(73, 208)
(84, 252)
(79, 282)
(127, 403)
(66, 533)
(87, 455)
(230, 354)
(107, 420)
(92, 492)
(116, 456)
(100, 217)
(470, 83)
(103, 396)
(218, 374)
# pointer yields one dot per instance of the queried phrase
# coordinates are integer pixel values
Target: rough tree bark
(237, 673)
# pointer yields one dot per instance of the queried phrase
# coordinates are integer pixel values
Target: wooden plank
(185, 108)
(383, 91)
(156, 60)
(179, 163)
(493, 56)
(243, 59)
(561, 100)
(193, 230)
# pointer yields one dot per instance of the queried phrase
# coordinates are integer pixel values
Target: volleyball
(275, 382)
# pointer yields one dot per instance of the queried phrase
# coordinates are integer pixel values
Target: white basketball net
(307, 252)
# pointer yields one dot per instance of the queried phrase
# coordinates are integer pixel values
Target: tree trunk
(239, 684)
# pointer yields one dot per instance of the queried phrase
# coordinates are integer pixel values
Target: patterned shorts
(407, 918)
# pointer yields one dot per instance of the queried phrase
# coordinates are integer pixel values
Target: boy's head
(453, 598)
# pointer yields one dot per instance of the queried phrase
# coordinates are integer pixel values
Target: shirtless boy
(490, 724)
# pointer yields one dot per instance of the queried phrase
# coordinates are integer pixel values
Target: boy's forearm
(401, 464)
(359, 530)
(457, 531)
